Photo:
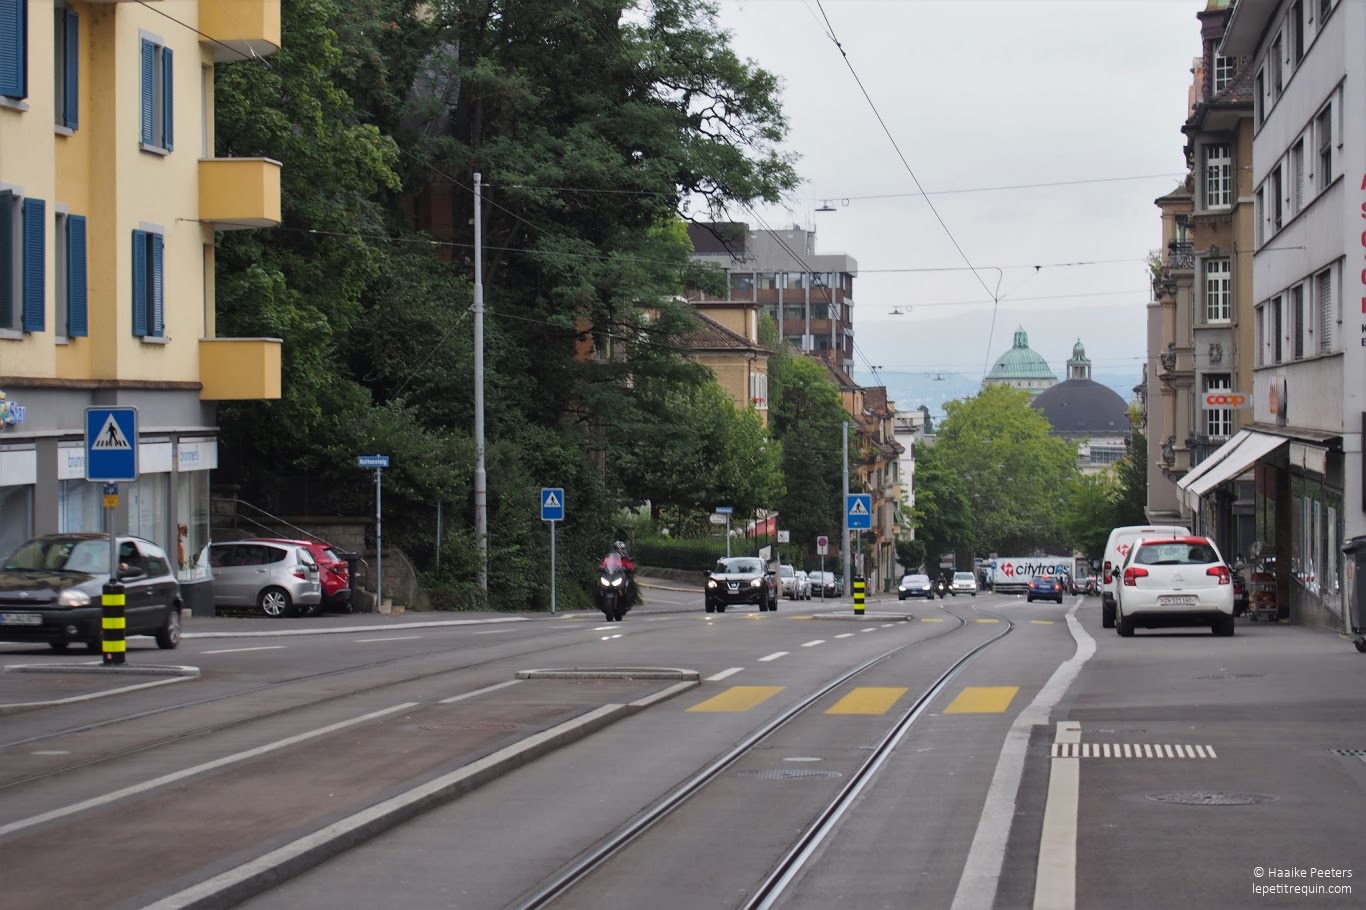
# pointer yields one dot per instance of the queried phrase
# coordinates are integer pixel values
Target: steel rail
(615, 842)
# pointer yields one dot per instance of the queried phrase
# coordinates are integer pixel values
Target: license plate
(21, 619)
(1172, 600)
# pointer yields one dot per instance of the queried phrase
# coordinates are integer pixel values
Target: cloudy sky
(980, 95)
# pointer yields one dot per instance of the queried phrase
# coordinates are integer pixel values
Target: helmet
(619, 546)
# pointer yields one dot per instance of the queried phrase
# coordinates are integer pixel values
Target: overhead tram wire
(883, 123)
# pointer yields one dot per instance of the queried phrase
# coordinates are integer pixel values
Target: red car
(333, 571)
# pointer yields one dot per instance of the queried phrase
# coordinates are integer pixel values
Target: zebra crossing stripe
(1130, 750)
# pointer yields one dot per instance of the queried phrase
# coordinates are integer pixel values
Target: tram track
(771, 888)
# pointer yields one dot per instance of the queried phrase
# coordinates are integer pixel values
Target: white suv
(1174, 581)
(963, 583)
(787, 578)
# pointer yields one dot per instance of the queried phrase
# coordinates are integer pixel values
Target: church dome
(1020, 363)
(1083, 407)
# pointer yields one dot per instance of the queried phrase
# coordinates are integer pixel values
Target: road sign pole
(379, 539)
(113, 610)
(728, 535)
(822, 578)
(552, 567)
(844, 536)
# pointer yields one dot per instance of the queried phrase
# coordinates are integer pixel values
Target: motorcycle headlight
(757, 583)
(73, 599)
(616, 582)
(604, 582)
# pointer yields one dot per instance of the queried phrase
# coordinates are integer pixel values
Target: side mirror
(130, 572)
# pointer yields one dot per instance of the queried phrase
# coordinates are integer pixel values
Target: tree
(1091, 513)
(1131, 499)
(943, 513)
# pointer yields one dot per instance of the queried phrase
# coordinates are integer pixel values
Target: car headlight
(711, 583)
(757, 583)
(73, 599)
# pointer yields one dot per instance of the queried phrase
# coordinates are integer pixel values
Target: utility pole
(481, 496)
(844, 508)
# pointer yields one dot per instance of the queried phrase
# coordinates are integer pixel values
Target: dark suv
(740, 580)
(50, 591)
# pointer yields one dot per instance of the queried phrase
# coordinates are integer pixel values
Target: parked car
(280, 579)
(1045, 587)
(333, 572)
(1117, 548)
(50, 591)
(915, 586)
(963, 583)
(1174, 581)
(803, 585)
(787, 581)
(823, 584)
(740, 580)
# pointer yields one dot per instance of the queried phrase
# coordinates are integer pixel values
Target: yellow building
(727, 343)
(110, 198)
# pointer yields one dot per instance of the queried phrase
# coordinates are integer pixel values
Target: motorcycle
(616, 590)
(941, 589)
(1092, 588)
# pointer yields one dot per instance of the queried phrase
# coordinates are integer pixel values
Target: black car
(50, 591)
(915, 586)
(740, 580)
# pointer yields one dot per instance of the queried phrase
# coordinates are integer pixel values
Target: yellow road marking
(738, 698)
(931, 619)
(988, 620)
(1042, 622)
(982, 700)
(867, 700)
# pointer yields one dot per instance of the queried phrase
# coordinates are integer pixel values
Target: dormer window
(1224, 70)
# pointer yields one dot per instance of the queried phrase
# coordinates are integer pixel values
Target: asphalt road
(401, 761)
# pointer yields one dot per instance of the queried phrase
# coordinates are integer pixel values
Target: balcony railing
(1180, 256)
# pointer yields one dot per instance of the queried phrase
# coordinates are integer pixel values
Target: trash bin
(1354, 589)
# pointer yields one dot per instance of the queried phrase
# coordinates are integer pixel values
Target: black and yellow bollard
(113, 623)
(858, 596)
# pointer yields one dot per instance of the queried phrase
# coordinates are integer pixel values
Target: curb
(117, 670)
(231, 888)
(346, 630)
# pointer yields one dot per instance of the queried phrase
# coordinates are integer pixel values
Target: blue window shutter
(77, 323)
(35, 257)
(167, 109)
(72, 53)
(13, 48)
(139, 283)
(6, 257)
(158, 301)
(148, 86)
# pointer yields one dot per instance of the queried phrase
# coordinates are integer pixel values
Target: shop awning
(1215, 458)
(1242, 453)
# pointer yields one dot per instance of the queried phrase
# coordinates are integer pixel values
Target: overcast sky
(980, 94)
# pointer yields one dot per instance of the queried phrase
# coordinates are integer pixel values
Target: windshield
(962, 576)
(738, 567)
(916, 580)
(61, 554)
(612, 562)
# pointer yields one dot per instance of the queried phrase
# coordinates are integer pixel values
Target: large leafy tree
(1091, 513)
(1131, 497)
(995, 450)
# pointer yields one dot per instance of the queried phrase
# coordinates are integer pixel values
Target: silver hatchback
(279, 579)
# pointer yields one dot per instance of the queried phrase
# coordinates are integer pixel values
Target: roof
(1083, 407)
(1020, 362)
(875, 400)
(711, 335)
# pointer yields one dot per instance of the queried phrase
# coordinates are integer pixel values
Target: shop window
(192, 526)
(147, 509)
(80, 506)
(16, 518)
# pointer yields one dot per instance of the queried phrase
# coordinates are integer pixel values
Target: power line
(994, 189)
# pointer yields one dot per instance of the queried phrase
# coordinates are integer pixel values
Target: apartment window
(1297, 324)
(1260, 97)
(1276, 329)
(149, 285)
(66, 57)
(1277, 200)
(1323, 136)
(1296, 25)
(1297, 178)
(794, 280)
(1323, 286)
(14, 48)
(768, 281)
(758, 390)
(70, 320)
(1223, 72)
(23, 281)
(1275, 59)
(1218, 421)
(1259, 216)
(1218, 300)
(1218, 177)
(158, 127)
(1325, 7)
(1259, 329)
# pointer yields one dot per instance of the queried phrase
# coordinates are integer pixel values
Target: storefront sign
(71, 463)
(11, 413)
(196, 455)
(1220, 400)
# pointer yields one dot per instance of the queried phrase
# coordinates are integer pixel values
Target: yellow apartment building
(110, 199)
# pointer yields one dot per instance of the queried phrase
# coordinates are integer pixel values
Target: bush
(692, 555)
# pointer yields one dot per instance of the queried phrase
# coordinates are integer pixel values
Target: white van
(1116, 548)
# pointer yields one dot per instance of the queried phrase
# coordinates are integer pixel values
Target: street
(965, 753)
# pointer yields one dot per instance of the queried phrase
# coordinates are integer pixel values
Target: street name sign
(372, 461)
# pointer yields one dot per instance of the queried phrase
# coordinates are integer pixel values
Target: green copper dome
(1020, 363)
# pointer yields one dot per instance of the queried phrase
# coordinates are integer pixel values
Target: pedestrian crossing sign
(111, 444)
(552, 503)
(860, 511)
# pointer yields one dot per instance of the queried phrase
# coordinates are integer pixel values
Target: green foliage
(1091, 513)
(1132, 497)
(911, 554)
(698, 553)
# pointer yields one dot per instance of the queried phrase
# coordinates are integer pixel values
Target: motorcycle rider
(620, 559)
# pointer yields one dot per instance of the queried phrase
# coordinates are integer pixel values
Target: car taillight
(1132, 574)
(299, 572)
(1220, 572)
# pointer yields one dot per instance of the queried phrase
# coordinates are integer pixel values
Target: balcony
(239, 193)
(1180, 257)
(239, 29)
(239, 369)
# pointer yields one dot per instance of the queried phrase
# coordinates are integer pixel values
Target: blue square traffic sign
(111, 444)
(860, 510)
(552, 503)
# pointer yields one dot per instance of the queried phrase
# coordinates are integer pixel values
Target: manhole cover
(1211, 798)
(469, 727)
(790, 774)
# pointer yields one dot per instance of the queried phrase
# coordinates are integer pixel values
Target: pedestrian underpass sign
(552, 503)
(860, 509)
(111, 444)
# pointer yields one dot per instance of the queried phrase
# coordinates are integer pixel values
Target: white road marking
(610, 637)
(603, 628)
(362, 641)
(774, 656)
(501, 685)
(982, 871)
(1055, 883)
(240, 650)
(812, 644)
(492, 631)
(717, 677)
(846, 635)
(152, 784)
(51, 752)
(801, 758)
(867, 630)
(91, 695)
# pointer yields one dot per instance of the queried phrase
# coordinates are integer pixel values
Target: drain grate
(476, 726)
(1211, 798)
(790, 774)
